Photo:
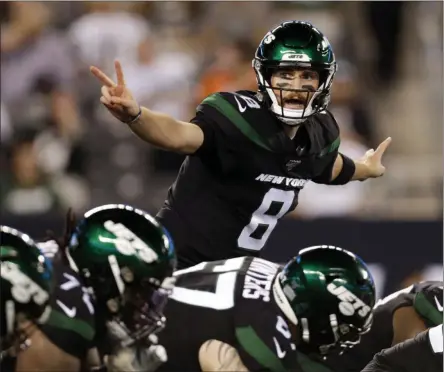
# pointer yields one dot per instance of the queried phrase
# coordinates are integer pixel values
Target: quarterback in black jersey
(250, 153)
(249, 314)
(423, 353)
(397, 317)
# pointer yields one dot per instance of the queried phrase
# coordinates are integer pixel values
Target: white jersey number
(265, 221)
(223, 296)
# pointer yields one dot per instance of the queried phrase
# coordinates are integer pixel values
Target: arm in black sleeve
(422, 353)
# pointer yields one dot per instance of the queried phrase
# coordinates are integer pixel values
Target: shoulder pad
(428, 302)
(326, 133)
(238, 113)
(239, 101)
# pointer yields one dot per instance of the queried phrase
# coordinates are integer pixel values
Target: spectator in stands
(26, 189)
(229, 69)
(30, 51)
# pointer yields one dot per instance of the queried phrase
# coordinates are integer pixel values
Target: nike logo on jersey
(287, 181)
(438, 305)
(241, 108)
(71, 283)
(71, 312)
(279, 351)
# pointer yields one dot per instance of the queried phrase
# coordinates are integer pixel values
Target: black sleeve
(326, 136)
(218, 150)
(325, 176)
(422, 353)
(210, 134)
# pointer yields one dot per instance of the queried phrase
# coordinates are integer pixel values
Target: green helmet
(26, 282)
(329, 293)
(127, 259)
(295, 44)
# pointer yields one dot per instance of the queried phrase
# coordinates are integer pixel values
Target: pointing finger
(383, 146)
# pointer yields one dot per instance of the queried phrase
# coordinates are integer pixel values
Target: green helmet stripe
(254, 346)
(426, 309)
(227, 110)
(59, 320)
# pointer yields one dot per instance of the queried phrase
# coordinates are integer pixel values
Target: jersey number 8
(265, 218)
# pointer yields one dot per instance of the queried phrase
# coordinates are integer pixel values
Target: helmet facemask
(134, 306)
(314, 101)
(331, 336)
(141, 315)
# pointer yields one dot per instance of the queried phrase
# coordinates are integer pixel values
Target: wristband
(133, 120)
(347, 171)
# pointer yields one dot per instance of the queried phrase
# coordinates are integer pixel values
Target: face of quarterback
(294, 78)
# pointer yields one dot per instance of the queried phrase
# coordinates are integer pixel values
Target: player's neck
(291, 131)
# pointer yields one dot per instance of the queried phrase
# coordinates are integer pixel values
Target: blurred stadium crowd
(60, 148)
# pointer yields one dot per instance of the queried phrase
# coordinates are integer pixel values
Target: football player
(26, 282)
(423, 353)
(113, 276)
(250, 153)
(397, 317)
(249, 314)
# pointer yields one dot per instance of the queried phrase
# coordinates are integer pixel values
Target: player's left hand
(372, 159)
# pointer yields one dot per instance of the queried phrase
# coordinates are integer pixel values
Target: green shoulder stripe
(227, 109)
(257, 349)
(426, 309)
(59, 320)
(331, 147)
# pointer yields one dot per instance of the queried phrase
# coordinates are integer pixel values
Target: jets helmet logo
(349, 303)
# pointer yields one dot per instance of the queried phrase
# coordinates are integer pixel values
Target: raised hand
(373, 159)
(117, 98)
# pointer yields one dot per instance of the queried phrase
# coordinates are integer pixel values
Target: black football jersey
(421, 353)
(231, 301)
(425, 297)
(229, 195)
(71, 324)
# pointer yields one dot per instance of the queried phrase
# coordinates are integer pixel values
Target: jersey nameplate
(259, 279)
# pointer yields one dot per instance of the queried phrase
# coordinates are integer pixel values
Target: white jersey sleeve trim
(436, 338)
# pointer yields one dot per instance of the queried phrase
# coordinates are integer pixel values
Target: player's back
(424, 297)
(246, 176)
(230, 301)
